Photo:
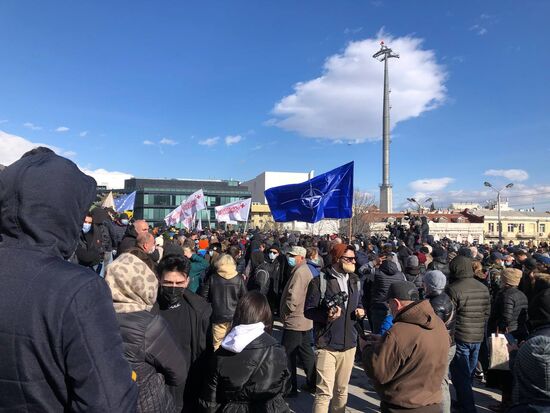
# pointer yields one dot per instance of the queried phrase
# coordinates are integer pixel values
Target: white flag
(235, 211)
(109, 202)
(184, 212)
(199, 224)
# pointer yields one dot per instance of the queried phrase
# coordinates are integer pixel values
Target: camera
(336, 300)
(359, 326)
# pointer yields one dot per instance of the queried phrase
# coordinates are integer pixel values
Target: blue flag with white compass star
(329, 195)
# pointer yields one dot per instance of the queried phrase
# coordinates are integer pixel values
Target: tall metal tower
(386, 196)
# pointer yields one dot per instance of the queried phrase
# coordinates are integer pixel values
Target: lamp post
(420, 205)
(498, 191)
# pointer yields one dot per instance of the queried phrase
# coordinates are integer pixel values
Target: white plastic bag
(498, 345)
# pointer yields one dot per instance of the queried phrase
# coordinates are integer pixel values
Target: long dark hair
(253, 308)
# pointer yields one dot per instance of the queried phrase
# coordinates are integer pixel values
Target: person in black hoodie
(439, 263)
(149, 344)
(189, 316)
(58, 333)
(385, 275)
(249, 373)
(89, 251)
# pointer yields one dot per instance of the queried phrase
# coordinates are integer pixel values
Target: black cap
(403, 290)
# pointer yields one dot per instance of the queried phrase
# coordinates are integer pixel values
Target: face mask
(170, 295)
(508, 263)
(152, 251)
(348, 267)
(86, 227)
(272, 256)
(291, 261)
(124, 221)
(210, 253)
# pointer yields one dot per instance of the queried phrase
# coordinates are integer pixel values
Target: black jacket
(128, 241)
(233, 386)
(509, 313)
(223, 294)
(440, 264)
(339, 334)
(60, 342)
(89, 251)
(190, 323)
(445, 310)
(471, 299)
(384, 276)
(259, 280)
(152, 350)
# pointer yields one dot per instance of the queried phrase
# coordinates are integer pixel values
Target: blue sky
(124, 76)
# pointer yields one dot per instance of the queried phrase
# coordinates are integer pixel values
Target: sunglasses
(349, 259)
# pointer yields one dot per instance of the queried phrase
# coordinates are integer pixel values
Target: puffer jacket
(386, 275)
(223, 291)
(152, 351)
(61, 345)
(445, 310)
(234, 385)
(471, 299)
(509, 312)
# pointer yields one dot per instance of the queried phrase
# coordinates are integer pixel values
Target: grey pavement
(363, 398)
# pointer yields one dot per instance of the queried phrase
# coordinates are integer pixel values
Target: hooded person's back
(61, 344)
(385, 275)
(471, 299)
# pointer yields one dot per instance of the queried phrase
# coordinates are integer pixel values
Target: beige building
(516, 225)
(260, 216)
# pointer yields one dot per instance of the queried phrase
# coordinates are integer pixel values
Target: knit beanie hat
(435, 281)
(411, 261)
(511, 276)
(338, 251)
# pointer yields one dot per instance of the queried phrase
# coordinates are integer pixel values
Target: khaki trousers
(219, 331)
(333, 375)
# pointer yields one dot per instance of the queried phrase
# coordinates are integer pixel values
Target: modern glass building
(156, 198)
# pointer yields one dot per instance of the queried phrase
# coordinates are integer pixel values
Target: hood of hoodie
(241, 336)
(389, 267)
(227, 271)
(43, 201)
(420, 313)
(461, 267)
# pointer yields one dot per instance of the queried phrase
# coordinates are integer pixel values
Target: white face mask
(273, 255)
(210, 253)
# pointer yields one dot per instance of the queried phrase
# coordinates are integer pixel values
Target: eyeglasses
(349, 259)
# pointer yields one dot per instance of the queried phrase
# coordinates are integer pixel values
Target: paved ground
(362, 397)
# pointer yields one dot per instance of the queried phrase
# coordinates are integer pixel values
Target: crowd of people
(106, 314)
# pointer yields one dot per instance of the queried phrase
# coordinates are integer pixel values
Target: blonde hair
(225, 260)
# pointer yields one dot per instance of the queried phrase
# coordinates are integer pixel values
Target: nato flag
(329, 195)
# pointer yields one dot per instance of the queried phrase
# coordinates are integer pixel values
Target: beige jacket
(293, 300)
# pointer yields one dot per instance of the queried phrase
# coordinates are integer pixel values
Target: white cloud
(345, 102)
(209, 141)
(147, 142)
(32, 126)
(12, 147)
(62, 129)
(516, 175)
(166, 141)
(83, 134)
(231, 140)
(111, 179)
(430, 184)
(480, 30)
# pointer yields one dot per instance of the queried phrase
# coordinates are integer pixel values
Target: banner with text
(188, 208)
(235, 211)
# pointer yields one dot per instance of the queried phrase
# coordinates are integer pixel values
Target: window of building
(521, 228)
(510, 227)
(491, 227)
(542, 228)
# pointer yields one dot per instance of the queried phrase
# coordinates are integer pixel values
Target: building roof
(175, 185)
(511, 214)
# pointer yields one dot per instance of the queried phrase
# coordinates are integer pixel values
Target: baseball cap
(403, 290)
(295, 250)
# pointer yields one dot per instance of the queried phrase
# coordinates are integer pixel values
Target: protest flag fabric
(109, 201)
(186, 211)
(329, 195)
(125, 202)
(234, 211)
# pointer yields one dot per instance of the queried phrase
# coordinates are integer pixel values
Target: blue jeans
(462, 369)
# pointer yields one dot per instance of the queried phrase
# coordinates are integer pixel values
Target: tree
(361, 221)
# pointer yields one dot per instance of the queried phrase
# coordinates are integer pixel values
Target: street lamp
(498, 191)
(420, 204)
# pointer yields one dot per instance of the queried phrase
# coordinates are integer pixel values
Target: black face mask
(170, 296)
